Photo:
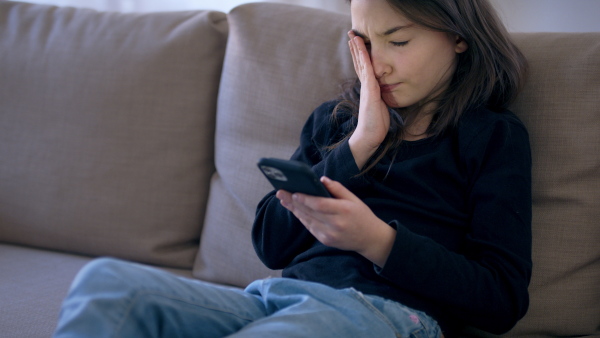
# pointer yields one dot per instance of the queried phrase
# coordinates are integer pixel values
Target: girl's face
(411, 63)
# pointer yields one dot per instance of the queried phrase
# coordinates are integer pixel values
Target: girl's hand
(343, 222)
(373, 114)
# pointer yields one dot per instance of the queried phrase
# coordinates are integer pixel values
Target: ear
(461, 45)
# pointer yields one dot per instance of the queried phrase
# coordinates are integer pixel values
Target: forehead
(376, 16)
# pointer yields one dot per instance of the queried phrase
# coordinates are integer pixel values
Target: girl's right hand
(373, 115)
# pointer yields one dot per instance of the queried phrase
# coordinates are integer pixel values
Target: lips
(386, 88)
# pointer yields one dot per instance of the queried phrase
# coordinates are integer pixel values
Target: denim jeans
(112, 298)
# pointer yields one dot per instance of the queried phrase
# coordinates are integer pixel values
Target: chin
(395, 103)
(390, 100)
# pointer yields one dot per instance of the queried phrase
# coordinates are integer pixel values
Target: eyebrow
(386, 33)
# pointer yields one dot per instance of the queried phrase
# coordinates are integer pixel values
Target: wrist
(360, 150)
(379, 249)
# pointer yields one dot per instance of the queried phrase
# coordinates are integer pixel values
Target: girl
(428, 230)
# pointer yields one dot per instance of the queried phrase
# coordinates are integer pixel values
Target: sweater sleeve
(485, 283)
(277, 235)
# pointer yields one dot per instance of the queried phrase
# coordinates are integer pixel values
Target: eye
(399, 44)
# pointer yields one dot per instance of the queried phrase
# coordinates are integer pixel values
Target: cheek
(432, 73)
(411, 68)
(443, 61)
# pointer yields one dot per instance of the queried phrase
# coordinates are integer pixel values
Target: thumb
(336, 189)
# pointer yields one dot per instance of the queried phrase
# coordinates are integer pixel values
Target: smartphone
(292, 176)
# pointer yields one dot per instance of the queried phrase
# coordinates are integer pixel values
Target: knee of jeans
(101, 274)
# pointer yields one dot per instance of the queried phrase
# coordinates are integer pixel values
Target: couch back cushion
(107, 128)
(282, 61)
(560, 106)
(274, 76)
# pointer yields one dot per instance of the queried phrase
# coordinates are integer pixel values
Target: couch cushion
(561, 108)
(106, 129)
(275, 73)
(33, 284)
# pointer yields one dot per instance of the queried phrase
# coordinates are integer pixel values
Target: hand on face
(343, 222)
(373, 115)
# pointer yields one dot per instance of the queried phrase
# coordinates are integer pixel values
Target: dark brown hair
(490, 73)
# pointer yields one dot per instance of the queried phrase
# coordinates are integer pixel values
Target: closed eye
(399, 44)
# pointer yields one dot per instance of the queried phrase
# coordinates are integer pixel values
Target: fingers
(318, 207)
(337, 190)
(297, 204)
(353, 52)
(305, 207)
(285, 198)
(360, 57)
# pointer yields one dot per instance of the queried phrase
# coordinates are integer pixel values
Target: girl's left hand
(343, 222)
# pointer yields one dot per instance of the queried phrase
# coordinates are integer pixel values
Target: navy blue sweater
(461, 206)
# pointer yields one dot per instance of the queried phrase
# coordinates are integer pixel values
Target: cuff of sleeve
(339, 165)
(400, 254)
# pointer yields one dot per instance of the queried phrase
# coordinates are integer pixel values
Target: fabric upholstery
(560, 107)
(106, 129)
(33, 284)
(31, 274)
(274, 75)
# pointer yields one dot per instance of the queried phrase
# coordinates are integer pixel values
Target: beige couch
(136, 136)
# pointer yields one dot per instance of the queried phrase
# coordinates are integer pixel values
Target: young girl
(428, 230)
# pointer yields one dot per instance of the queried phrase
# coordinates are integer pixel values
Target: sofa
(136, 136)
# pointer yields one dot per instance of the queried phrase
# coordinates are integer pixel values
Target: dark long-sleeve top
(461, 207)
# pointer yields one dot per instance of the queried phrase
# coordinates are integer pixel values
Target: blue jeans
(112, 298)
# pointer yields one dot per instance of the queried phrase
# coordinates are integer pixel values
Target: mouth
(386, 88)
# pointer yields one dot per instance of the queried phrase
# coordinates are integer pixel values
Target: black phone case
(292, 176)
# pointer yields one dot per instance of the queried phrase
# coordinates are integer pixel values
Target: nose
(381, 66)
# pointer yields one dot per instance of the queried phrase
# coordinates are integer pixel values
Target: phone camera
(273, 173)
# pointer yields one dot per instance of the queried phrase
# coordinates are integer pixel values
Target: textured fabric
(106, 129)
(560, 106)
(33, 283)
(274, 76)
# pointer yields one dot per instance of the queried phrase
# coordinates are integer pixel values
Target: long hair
(490, 73)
